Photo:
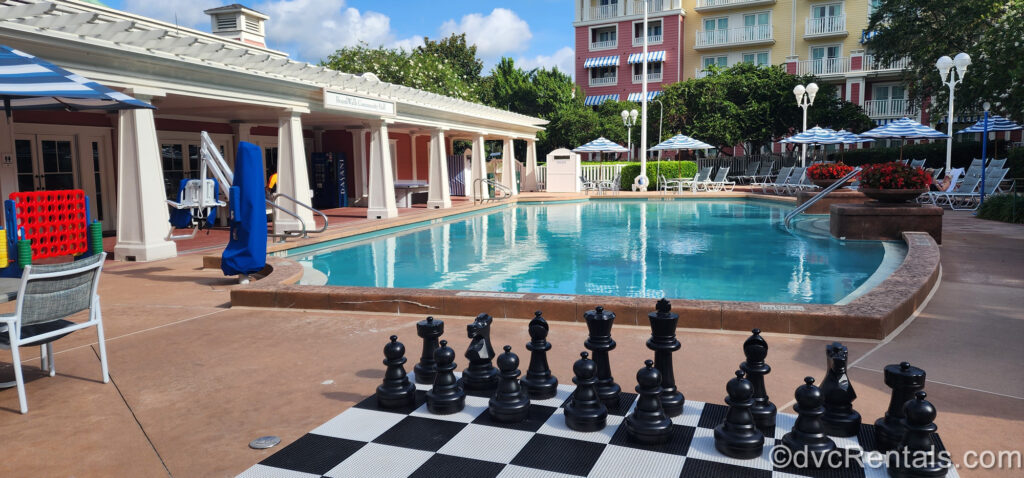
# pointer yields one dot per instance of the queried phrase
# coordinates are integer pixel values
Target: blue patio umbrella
(680, 142)
(904, 128)
(849, 137)
(601, 145)
(815, 135)
(29, 83)
(995, 123)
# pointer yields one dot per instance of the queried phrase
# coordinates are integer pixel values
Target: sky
(536, 33)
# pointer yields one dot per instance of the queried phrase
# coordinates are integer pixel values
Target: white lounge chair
(764, 173)
(665, 184)
(750, 173)
(795, 177)
(703, 176)
(917, 163)
(720, 182)
(971, 201)
(780, 178)
(966, 188)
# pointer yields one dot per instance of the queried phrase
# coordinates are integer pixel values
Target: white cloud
(500, 32)
(564, 59)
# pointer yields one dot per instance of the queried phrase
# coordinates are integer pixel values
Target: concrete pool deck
(193, 380)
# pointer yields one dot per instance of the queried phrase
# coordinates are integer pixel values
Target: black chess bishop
(663, 342)
(738, 436)
(480, 375)
(539, 382)
(840, 418)
(396, 391)
(648, 424)
(446, 396)
(429, 330)
(585, 412)
(510, 403)
(755, 349)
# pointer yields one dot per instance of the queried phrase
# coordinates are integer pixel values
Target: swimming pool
(733, 250)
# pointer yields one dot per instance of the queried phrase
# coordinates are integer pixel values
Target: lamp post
(661, 116)
(984, 152)
(804, 98)
(952, 71)
(628, 120)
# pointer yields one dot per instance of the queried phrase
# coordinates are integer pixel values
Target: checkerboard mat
(368, 441)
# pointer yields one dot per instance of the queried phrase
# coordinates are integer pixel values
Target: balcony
(651, 78)
(825, 27)
(604, 45)
(651, 40)
(627, 8)
(701, 73)
(870, 64)
(602, 12)
(605, 81)
(824, 66)
(897, 108)
(653, 6)
(735, 36)
(714, 5)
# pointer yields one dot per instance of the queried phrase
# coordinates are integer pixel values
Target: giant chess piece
(510, 404)
(663, 342)
(396, 391)
(904, 380)
(599, 323)
(584, 411)
(808, 433)
(755, 349)
(480, 375)
(446, 396)
(539, 382)
(738, 436)
(840, 419)
(430, 330)
(918, 456)
(648, 424)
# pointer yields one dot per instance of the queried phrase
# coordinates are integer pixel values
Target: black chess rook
(480, 375)
(905, 380)
(429, 330)
(663, 342)
(599, 324)
(755, 350)
(446, 396)
(738, 436)
(840, 418)
(584, 411)
(510, 403)
(918, 457)
(538, 382)
(396, 391)
(808, 433)
(648, 424)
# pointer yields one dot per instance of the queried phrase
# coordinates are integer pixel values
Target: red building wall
(672, 68)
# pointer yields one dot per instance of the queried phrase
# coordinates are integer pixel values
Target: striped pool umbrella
(29, 83)
(601, 145)
(680, 142)
(995, 123)
(904, 129)
(815, 135)
(849, 137)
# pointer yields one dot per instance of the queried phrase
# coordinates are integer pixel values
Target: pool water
(732, 250)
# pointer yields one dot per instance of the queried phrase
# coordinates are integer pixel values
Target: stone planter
(893, 196)
(824, 183)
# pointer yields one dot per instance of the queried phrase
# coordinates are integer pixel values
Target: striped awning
(652, 56)
(904, 128)
(635, 97)
(29, 83)
(601, 61)
(995, 123)
(866, 35)
(598, 99)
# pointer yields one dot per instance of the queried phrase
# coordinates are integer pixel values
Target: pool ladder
(481, 183)
(824, 192)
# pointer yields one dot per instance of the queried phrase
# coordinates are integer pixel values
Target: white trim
(632, 33)
(590, 37)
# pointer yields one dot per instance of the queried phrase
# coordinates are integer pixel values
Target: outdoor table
(405, 189)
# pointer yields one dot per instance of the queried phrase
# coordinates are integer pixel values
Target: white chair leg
(43, 362)
(102, 343)
(49, 353)
(16, 362)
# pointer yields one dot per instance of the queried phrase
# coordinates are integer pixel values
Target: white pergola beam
(60, 22)
(26, 10)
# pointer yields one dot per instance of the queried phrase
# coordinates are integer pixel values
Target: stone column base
(875, 222)
(145, 252)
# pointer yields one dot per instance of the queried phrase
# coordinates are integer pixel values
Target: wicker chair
(47, 297)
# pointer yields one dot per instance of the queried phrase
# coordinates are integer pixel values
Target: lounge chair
(665, 184)
(971, 201)
(794, 178)
(936, 174)
(720, 182)
(764, 173)
(996, 163)
(609, 185)
(967, 187)
(917, 163)
(750, 173)
(47, 297)
(588, 185)
(703, 176)
(780, 178)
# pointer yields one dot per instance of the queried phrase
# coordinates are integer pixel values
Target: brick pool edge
(871, 316)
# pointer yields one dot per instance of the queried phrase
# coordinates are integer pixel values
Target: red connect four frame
(55, 221)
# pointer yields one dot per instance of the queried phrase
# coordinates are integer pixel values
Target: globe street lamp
(629, 119)
(952, 71)
(804, 98)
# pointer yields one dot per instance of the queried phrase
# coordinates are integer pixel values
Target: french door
(46, 162)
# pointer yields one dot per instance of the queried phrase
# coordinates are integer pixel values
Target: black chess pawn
(510, 403)
(755, 350)
(648, 424)
(480, 375)
(599, 324)
(663, 342)
(396, 391)
(840, 419)
(430, 330)
(584, 411)
(808, 433)
(905, 380)
(918, 456)
(738, 436)
(446, 396)
(539, 382)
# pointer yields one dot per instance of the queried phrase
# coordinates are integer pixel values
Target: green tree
(924, 30)
(417, 70)
(459, 55)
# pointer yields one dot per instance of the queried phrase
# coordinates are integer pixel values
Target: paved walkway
(193, 381)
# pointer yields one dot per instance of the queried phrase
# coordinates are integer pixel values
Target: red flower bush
(828, 170)
(893, 176)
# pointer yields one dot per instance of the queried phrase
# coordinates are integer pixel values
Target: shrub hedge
(933, 153)
(1001, 207)
(669, 169)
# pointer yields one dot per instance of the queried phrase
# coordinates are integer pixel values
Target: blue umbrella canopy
(29, 83)
(681, 141)
(601, 145)
(995, 123)
(815, 135)
(904, 128)
(852, 138)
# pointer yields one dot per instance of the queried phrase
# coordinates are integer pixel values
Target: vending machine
(328, 180)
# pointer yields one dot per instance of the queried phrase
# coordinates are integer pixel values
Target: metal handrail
(478, 188)
(302, 223)
(316, 211)
(824, 192)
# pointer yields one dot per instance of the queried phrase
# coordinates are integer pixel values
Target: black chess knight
(755, 349)
(738, 436)
(430, 330)
(480, 375)
(599, 323)
(663, 342)
(396, 391)
(840, 418)
(539, 382)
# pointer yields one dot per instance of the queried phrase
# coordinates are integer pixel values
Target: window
(653, 68)
(712, 24)
(653, 29)
(759, 58)
(826, 10)
(603, 34)
(719, 61)
(874, 5)
(603, 72)
(757, 26)
(716, 30)
(757, 19)
(825, 59)
(889, 92)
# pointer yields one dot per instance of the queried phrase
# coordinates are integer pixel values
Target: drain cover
(265, 442)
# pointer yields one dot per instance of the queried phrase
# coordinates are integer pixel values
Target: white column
(508, 167)
(142, 216)
(439, 192)
(382, 179)
(530, 176)
(478, 167)
(292, 174)
(412, 152)
(359, 162)
(8, 165)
